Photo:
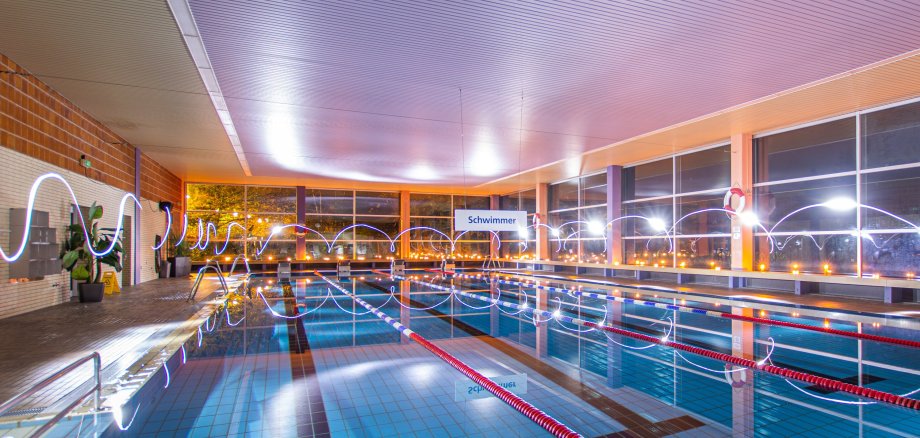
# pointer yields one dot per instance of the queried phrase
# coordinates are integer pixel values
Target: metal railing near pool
(220, 276)
(96, 390)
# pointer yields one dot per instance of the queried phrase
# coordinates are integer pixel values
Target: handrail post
(97, 361)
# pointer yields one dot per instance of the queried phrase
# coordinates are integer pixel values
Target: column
(494, 204)
(542, 233)
(136, 242)
(404, 313)
(614, 351)
(301, 219)
(614, 210)
(542, 332)
(404, 199)
(742, 175)
(743, 381)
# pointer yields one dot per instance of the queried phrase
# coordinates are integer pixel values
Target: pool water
(303, 359)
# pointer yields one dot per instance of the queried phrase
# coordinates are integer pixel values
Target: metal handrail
(97, 389)
(197, 284)
(245, 263)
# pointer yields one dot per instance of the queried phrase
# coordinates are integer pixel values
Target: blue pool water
(332, 369)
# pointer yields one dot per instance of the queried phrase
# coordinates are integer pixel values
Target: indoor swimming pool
(303, 358)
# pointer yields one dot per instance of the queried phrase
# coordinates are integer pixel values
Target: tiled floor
(121, 328)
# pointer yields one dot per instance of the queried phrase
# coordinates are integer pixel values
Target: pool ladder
(490, 263)
(96, 390)
(209, 267)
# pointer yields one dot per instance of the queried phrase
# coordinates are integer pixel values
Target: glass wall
(577, 215)
(513, 244)
(672, 210)
(433, 217)
(839, 194)
(358, 225)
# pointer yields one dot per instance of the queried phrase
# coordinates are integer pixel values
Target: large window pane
(659, 211)
(647, 251)
(808, 253)
(702, 214)
(704, 170)
(389, 225)
(380, 203)
(271, 199)
(215, 197)
(773, 203)
(442, 225)
(563, 195)
(594, 250)
(374, 250)
(529, 201)
(566, 222)
(472, 203)
(704, 252)
(329, 201)
(422, 204)
(811, 151)
(509, 202)
(894, 191)
(649, 180)
(329, 226)
(593, 215)
(594, 190)
(891, 136)
(891, 255)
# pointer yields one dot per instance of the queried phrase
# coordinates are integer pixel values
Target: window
(672, 210)
(578, 208)
(435, 212)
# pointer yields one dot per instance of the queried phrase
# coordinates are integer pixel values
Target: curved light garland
(168, 226)
(33, 192)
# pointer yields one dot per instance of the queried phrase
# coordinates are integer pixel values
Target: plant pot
(181, 266)
(165, 269)
(91, 292)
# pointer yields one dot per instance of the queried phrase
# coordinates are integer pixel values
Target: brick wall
(40, 132)
(37, 121)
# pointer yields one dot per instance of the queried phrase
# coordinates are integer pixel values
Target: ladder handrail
(233, 266)
(197, 284)
(97, 389)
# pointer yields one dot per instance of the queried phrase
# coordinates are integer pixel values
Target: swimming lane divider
(837, 385)
(530, 411)
(756, 320)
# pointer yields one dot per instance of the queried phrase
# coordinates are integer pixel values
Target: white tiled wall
(19, 172)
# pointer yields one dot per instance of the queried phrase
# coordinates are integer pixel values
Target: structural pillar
(742, 176)
(404, 311)
(541, 328)
(614, 211)
(494, 204)
(404, 199)
(542, 233)
(742, 382)
(301, 219)
(136, 242)
(614, 351)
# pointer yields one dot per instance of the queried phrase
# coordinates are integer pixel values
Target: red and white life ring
(536, 218)
(734, 191)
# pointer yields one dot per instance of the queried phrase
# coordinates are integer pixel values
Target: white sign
(489, 220)
(467, 389)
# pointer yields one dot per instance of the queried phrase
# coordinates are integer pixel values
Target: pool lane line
(837, 385)
(530, 411)
(752, 319)
(635, 424)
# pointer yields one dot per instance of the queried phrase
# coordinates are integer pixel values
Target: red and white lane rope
(765, 321)
(762, 366)
(541, 418)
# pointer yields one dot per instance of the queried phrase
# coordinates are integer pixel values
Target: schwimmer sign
(489, 220)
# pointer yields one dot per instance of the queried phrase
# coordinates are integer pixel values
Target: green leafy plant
(180, 250)
(77, 258)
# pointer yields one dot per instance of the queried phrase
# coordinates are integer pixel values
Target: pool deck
(767, 299)
(122, 328)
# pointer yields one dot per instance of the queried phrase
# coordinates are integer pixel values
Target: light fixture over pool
(657, 224)
(841, 204)
(595, 227)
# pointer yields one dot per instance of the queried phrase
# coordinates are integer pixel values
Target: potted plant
(82, 264)
(180, 264)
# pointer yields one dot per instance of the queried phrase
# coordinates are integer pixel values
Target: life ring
(730, 376)
(536, 218)
(734, 191)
